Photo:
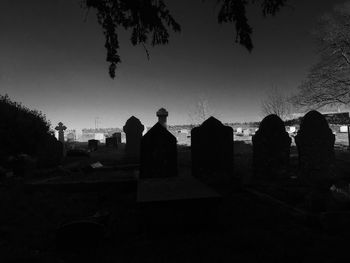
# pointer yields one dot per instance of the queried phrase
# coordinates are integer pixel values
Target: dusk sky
(53, 59)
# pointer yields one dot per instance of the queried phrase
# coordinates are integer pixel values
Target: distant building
(331, 117)
(98, 134)
(337, 117)
(70, 135)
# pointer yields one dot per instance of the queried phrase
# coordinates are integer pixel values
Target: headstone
(212, 148)
(158, 153)
(50, 152)
(315, 143)
(162, 115)
(60, 128)
(93, 145)
(133, 129)
(111, 142)
(271, 147)
(118, 136)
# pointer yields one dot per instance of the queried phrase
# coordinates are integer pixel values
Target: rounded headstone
(133, 129)
(271, 147)
(212, 148)
(315, 143)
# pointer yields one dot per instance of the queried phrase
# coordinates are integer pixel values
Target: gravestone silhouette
(118, 136)
(271, 147)
(158, 153)
(111, 142)
(60, 128)
(212, 148)
(50, 152)
(315, 143)
(93, 145)
(133, 129)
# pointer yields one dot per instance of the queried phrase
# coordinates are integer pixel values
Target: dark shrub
(25, 131)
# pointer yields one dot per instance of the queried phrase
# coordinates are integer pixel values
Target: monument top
(162, 112)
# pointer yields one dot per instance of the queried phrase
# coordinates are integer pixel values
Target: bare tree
(328, 82)
(201, 112)
(276, 103)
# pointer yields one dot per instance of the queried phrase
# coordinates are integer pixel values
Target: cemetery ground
(256, 221)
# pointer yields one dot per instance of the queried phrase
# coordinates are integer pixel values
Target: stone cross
(162, 115)
(60, 128)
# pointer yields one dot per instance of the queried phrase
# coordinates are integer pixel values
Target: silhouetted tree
(151, 19)
(328, 81)
(276, 103)
(201, 112)
(25, 131)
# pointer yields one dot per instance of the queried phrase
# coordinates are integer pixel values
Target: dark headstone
(118, 136)
(315, 143)
(50, 152)
(158, 153)
(271, 147)
(133, 129)
(60, 128)
(212, 148)
(112, 142)
(93, 145)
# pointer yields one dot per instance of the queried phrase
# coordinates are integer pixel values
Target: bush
(24, 131)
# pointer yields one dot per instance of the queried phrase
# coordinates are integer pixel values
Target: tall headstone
(60, 128)
(212, 148)
(133, 129)
(158, 153)
(162, 115)
(315, 143)
(271, 147)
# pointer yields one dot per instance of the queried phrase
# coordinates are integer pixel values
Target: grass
(250, 229)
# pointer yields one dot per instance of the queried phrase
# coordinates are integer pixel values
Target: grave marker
(315, 143)
(271, 147)
(162, 115)
(93, 145)
(212, 148)
(61, 128)
(158, 153)
(133, 129)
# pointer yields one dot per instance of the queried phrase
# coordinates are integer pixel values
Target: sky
(52, 58)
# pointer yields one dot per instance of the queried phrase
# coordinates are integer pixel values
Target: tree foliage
(328, 81)
(150, 21)
(24, 131)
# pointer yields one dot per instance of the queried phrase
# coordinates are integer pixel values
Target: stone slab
(176, 204)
